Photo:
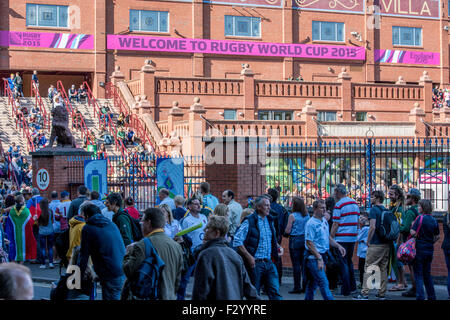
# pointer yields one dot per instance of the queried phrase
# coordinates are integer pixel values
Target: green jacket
(408, 218)
(172, 255)
(123, 222)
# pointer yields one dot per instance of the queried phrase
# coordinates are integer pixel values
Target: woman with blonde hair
(221, 210)
(172, 226)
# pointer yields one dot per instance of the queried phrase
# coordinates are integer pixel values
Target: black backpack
(135, 228)
(144, 283)
(387, 225)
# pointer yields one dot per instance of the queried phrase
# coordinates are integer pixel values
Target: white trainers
(51, 265)
(42, 266)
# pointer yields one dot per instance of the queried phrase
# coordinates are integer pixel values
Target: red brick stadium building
(390, 35)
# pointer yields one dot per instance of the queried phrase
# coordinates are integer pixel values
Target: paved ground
(42, 279)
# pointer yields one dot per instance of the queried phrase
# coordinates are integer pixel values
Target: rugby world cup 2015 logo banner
(46, 40)
(407, 57)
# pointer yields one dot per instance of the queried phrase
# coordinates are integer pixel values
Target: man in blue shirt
(208, 199)
(256, 242)
(317, 243)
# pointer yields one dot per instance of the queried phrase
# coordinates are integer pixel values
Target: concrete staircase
(9, 133)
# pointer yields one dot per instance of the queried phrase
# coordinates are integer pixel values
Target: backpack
(388, 226)
(135, 228)
(144, 283)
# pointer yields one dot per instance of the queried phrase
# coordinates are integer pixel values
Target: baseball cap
(64, 194)
(414, 192)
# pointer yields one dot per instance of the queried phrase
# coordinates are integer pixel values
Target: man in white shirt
(192, 219)
(235, 210)
(165, 199)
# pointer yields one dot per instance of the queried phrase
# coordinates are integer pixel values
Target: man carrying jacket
(101, 240)
(120, 217)
(256, 242)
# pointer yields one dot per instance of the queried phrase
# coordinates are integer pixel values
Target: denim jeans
(111, 289)
(347, 271)
(46, 243)
(38, 242)
(422, 274)
(447, 261)
(265, 273)
(296, 251)
(316, 278)
(184, 282)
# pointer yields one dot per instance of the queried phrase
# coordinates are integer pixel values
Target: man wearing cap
(345, 231)
(408, 217)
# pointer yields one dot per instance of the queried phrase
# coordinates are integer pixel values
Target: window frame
(399, 28)
(234, 27)
(58, 13)
(360, 113)
(229, 110)
(270, 114)
(140, 21)
(336, 31)
(325, 112)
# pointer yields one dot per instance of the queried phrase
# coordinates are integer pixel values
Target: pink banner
(356, 6)
(140, 43)
(407, 57)
(261, 3)
(411, 8)
(46, 40)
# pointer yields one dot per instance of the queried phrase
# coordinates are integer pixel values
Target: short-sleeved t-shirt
(429, 229)
(375, 213)
(198, 234)
(317, 231)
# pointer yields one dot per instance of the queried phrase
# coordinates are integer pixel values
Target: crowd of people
(231, 252)
(441, 97)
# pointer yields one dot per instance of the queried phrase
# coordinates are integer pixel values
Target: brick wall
(197, 19)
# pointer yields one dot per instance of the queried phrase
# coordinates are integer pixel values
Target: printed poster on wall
(144, 43)
(407, 57)
(95, 176)
(254, 3)
(170, 175)
(46, 40)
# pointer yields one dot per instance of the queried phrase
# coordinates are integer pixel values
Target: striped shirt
(346, 214)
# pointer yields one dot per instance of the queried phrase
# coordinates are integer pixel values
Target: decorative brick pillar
(56, 164)
(309, 115)
(417, 115)
(400, 81)
(427, 84)
(197, 129)
(143, 106)
(117, 76)
(346, 95)
(175, 115)
(148, 85)
(240, 169)
(249, 92)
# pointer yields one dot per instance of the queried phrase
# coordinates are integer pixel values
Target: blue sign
(170, 175)
(95, 176)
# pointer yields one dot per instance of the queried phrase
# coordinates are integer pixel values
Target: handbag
(406, 252)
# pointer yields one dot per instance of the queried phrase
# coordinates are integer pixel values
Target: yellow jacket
(76, 225)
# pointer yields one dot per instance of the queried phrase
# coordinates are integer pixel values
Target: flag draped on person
(19, 231)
